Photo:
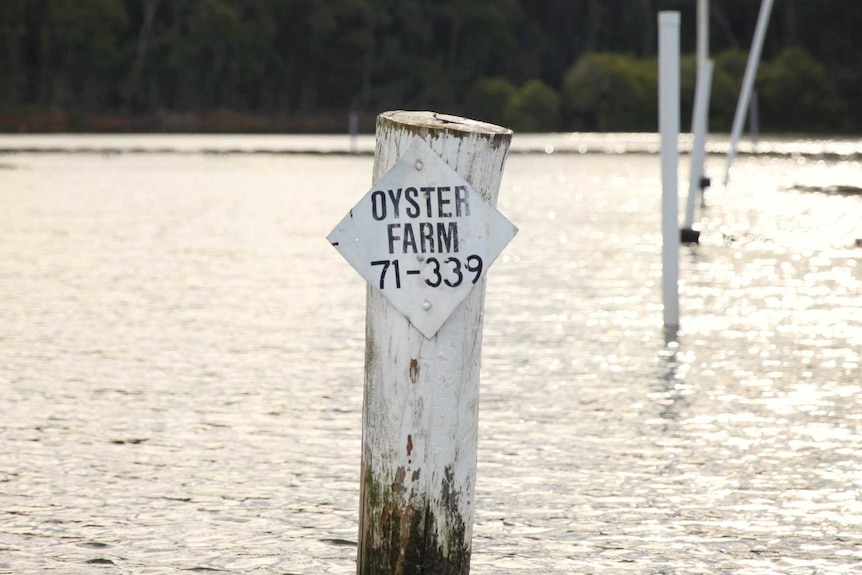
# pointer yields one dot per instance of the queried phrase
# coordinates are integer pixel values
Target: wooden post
(668, 65)
(419, 419)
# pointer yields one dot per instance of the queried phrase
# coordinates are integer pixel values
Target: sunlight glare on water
(181, 360)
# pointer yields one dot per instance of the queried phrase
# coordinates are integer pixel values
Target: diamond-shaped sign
(423, 237)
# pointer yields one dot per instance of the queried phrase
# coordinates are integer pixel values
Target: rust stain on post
(414, 370)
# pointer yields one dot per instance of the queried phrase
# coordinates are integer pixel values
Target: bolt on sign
(423, 237)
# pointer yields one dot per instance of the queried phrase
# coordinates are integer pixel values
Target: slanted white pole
(668, 114)
(698, 153)
(748, 82)
(420, 411)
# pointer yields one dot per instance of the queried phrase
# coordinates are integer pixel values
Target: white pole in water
(702, 59)
(420, 411)
(748, 82)
(702, 33)
(353, 129)
(698, 153)
(668, 115)
(753, 120)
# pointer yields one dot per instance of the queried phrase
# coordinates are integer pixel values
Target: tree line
(302, 65)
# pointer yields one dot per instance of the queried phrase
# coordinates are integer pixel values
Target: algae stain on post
(420, 410)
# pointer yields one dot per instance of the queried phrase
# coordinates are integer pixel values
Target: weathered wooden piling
(420, 412)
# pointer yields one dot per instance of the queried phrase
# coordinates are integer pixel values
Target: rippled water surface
(181, 360)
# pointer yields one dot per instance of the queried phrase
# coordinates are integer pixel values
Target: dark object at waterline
(689, 236)
(840, 189)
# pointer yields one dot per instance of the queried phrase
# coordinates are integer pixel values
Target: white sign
(423, 237)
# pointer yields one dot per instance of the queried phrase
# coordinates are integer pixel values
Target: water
(847, 149)
(181, 358)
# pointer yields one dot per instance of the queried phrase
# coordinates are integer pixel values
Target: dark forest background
(302, 65)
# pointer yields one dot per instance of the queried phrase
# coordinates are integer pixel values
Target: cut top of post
(477, 150)
(668, 18)
(433, 123)
(438, 121)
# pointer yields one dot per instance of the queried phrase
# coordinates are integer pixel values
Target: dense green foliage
(532, 64)
(534, 107)
(611, 92)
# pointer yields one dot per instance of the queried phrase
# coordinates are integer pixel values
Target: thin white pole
(668, 114)
(353, 129)
(702, 58)
(753, 119)
(702, 33)
(699, 120)
(748, 82)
